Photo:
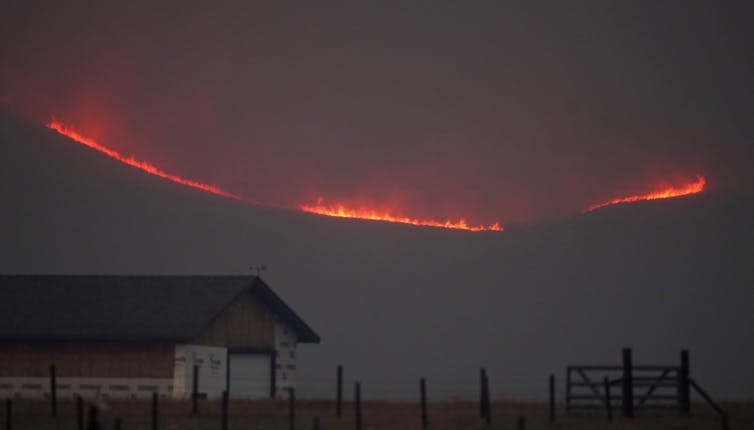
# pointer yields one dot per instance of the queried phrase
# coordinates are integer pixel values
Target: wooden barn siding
(88, 359)
(246, 323)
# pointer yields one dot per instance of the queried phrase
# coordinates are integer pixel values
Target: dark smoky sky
(495, 111)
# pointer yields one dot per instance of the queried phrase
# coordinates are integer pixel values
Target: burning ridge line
(341, 211)
(319, 209)
(69, 132)
(665, 193)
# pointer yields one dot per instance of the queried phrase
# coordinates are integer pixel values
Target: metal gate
(628, 387)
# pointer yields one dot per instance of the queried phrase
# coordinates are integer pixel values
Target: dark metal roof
(126, 308)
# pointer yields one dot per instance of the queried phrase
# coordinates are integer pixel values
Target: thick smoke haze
(504, 112)
(395, 302)
(520, 113)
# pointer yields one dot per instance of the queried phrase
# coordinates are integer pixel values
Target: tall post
(568, 390)
(608, 400)
(195, 391)
(291, 409)
(423, 396)
(79, 412)
(684, 393)
(358, 406)
(93, 418)
(53, 391)
(487, 406)
(224, 412)
(552, 398)
(482, 400)
(8, 414)
(155, 412)
(339, 392)
(628, 384)
(521, 423)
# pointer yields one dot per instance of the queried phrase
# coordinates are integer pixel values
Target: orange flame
(336, 211)
(147, 167)
(341, 211)
(666, 193)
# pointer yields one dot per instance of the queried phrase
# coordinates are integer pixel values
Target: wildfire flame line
(147, 167)
(337, 211)
(666, 193)
(341, 211)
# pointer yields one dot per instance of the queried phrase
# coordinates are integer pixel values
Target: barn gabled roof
(126, 308)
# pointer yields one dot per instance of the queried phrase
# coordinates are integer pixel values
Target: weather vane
(258, 268)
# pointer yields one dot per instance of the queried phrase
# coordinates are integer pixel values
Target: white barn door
(250, 375)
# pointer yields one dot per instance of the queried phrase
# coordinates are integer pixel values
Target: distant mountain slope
(395, 302)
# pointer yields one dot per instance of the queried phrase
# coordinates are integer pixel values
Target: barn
(130, 336)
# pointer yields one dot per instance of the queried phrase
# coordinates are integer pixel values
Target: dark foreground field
(376, 415)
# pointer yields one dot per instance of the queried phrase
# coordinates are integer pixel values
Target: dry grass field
(376, 415)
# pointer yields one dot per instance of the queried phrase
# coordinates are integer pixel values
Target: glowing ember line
(341, 211)
(320, 209)
(147, 167)
(666, 193)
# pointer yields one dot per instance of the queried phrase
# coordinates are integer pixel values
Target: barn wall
(246, 323)
(89, 388)
(87, 360)
(285, 348)
(212, 365)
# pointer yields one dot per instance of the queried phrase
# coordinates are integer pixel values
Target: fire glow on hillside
(663, 193)
(341, 211)
(336, 211)
(69, 132)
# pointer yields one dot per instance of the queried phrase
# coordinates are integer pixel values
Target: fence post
(155, 412)
(291, 409)
(628, 384)
(684, 393)
(482, 400)
(9, 414)
(358, 405)
(224, 412)
(521, 424)
(339, 392)
(195, 391)
(568, 390)
(79, 412)
(93, 418)
(487, 404)
(53, 391)
(608, 400)
(552, 397)
(118, 423)
(423, 395)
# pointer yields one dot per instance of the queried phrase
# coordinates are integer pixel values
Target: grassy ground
(267, 414)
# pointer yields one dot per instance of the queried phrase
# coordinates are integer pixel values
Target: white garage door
(250, 375)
